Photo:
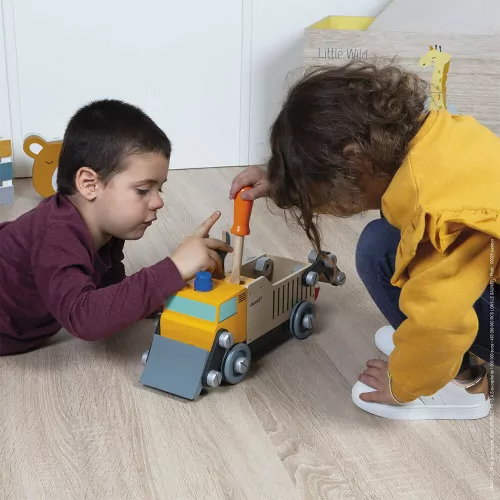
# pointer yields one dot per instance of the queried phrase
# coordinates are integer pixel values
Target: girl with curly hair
(359, 137)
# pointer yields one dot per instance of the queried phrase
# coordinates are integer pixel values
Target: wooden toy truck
(208, 332)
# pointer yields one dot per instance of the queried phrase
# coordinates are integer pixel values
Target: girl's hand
(376, 376)
(255, 177)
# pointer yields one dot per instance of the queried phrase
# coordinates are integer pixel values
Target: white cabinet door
(5, 132)
(277, 35)
(179, 61)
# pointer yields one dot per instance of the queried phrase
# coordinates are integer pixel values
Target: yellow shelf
(359, 23)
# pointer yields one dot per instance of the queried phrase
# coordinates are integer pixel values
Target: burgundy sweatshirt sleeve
(117, 271)
(63, 270)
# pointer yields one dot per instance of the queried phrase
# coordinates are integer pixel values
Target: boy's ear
(86, 181)
(33, 140)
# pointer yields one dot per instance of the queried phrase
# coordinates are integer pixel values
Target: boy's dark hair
(101, 135)
(377, 110)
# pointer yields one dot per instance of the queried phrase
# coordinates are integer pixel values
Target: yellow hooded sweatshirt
(445, 199)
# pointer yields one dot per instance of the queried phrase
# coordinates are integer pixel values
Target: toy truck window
(227, 309)
(191, 308)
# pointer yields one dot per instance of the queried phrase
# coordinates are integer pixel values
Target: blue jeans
(375, 263)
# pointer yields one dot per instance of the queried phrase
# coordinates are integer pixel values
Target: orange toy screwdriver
(241, 228)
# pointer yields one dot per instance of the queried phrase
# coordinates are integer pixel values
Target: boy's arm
(117, 271)
(62, 270)
(441, 321)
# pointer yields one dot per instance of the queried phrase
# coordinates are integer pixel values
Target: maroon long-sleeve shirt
(51, 277)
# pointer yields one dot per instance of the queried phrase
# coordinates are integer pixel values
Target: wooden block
(6, 171)
(5, 148)
(6, 195)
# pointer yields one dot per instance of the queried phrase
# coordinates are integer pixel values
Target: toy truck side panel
(270, 301)
(233, 316)
(260, 308)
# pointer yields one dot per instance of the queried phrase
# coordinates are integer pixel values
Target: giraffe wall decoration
(441, 63)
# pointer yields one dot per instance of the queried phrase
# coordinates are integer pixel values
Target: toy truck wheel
(302, 319)
(236, 363)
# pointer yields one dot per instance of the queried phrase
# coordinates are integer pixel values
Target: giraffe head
(434, 57)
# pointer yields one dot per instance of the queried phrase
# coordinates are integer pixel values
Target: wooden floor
(76, 424)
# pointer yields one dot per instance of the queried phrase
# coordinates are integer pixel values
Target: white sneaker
(383, 339)
(455, 401)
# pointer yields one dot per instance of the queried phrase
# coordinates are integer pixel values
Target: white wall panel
(179, 61)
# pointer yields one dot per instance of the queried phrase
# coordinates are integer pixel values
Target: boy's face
(127, 205)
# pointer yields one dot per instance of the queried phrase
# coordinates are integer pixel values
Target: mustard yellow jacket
(445, 199)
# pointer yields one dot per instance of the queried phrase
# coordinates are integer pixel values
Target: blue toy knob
(203, 282)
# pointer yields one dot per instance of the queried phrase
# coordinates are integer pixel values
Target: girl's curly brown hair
(376, 110)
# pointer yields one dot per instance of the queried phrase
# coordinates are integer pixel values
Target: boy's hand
(251, 176)
(376, 376)
(198, 253)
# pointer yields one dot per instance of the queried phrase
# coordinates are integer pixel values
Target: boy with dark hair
(61, 263)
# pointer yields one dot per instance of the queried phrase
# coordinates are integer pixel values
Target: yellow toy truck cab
(196, 314)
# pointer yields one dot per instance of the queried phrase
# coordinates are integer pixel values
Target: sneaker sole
(396, 412)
